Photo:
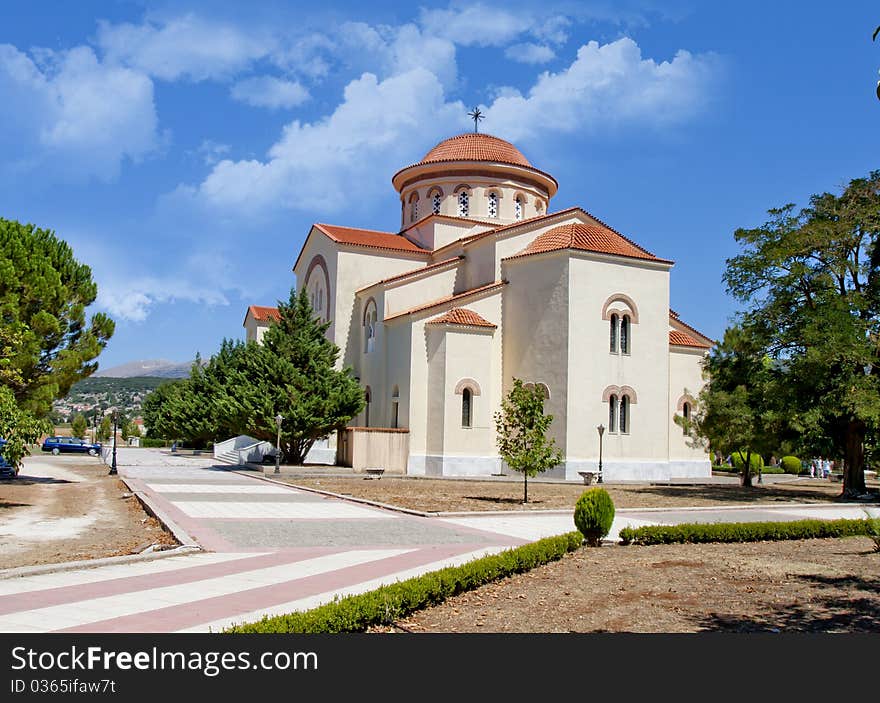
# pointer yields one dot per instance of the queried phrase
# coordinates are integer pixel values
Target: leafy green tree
(44, 292)
(811, 280)
(105, 429)
(521, 428)
(79, 427)
(18, 428)
(738, 408)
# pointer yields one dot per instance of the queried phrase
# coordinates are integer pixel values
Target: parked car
(59, 445)
(7, 470)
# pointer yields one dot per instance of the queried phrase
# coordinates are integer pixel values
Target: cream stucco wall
(254, 329)
(536, 329)
(595, 279)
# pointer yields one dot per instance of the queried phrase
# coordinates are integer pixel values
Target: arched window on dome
(539, 206)
(493, 204)
(464, 203)
(436, 202)
(414, 207)
(518, 207)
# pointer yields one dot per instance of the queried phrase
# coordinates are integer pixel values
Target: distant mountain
(161, 368)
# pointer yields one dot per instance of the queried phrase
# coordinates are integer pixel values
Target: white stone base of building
(440, 465)
(641, 470)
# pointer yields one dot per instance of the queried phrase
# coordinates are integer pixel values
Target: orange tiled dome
(472, 146)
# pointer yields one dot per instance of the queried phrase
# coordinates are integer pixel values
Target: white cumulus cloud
(79, 115)
(607, 86)
(323, 164)
(269, 91)
(189, 47)
(530, 53)
(475, 24)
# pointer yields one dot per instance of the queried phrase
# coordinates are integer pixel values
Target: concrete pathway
(271, 549)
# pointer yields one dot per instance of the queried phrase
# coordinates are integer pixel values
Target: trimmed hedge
(745, 531)
(791, 464)
(154, 443)
(764, 469)
(594, 515)
(739, 460)
(389, 603)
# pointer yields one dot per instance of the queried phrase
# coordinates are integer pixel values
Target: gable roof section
(262, 313)
(447, 299)
(693, 332)
(370, 238)
(587, 237)
(682, 339)
(461, 316)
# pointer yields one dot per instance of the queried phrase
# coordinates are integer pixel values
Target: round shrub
(791, 465)
(739, 460)
(593, 515)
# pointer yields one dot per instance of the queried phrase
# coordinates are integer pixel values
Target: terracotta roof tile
(370, 238)
(461, 316)
(476, 147)
(446, 299)
(586, 237)
(674, 316)
(681, 339)
(261, 313)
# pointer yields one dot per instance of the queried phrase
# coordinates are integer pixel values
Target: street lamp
(278, 420)
(113, 471)
(601, 430)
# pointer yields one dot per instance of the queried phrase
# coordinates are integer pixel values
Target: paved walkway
(272, 549)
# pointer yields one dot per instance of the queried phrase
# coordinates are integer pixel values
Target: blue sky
(185, 148)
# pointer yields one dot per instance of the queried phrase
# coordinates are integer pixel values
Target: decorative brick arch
(686, 398)
(316, 262)
(435, 190)
(461, 187)
(620, 391)
(467, 383)
(633, 311)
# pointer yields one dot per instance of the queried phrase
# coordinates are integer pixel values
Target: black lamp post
(113, 471)
(278, 420)
(601, 430)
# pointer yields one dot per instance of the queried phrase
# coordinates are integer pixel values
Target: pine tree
(79, 427)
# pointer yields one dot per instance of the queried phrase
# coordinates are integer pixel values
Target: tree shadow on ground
(4, 504)
(499, 499)
(738, 494)
(23, 480)
(840, 610)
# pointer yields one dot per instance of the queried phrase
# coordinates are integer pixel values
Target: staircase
(230, 456)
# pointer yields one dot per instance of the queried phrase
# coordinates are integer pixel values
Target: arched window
(612, 414)
(614, 323)
(686, 411)
(493, 204)
(464, 199)
(539, 206)
(414, 207)
(370, 318)
(436, 201)
(518, 207)
(466, 398)
(624, 414)
(624, 334)
(368, 398)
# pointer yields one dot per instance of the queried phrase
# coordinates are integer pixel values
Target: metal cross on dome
(476, 115)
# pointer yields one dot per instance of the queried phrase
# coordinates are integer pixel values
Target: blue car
(70, 445)
(6, 469)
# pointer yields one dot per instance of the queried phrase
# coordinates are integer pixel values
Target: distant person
(174, 446)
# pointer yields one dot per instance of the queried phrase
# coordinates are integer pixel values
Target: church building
(483, 283)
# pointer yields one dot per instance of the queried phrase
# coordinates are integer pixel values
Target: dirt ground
(68, 508)
(819, 585)
(445, 495)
